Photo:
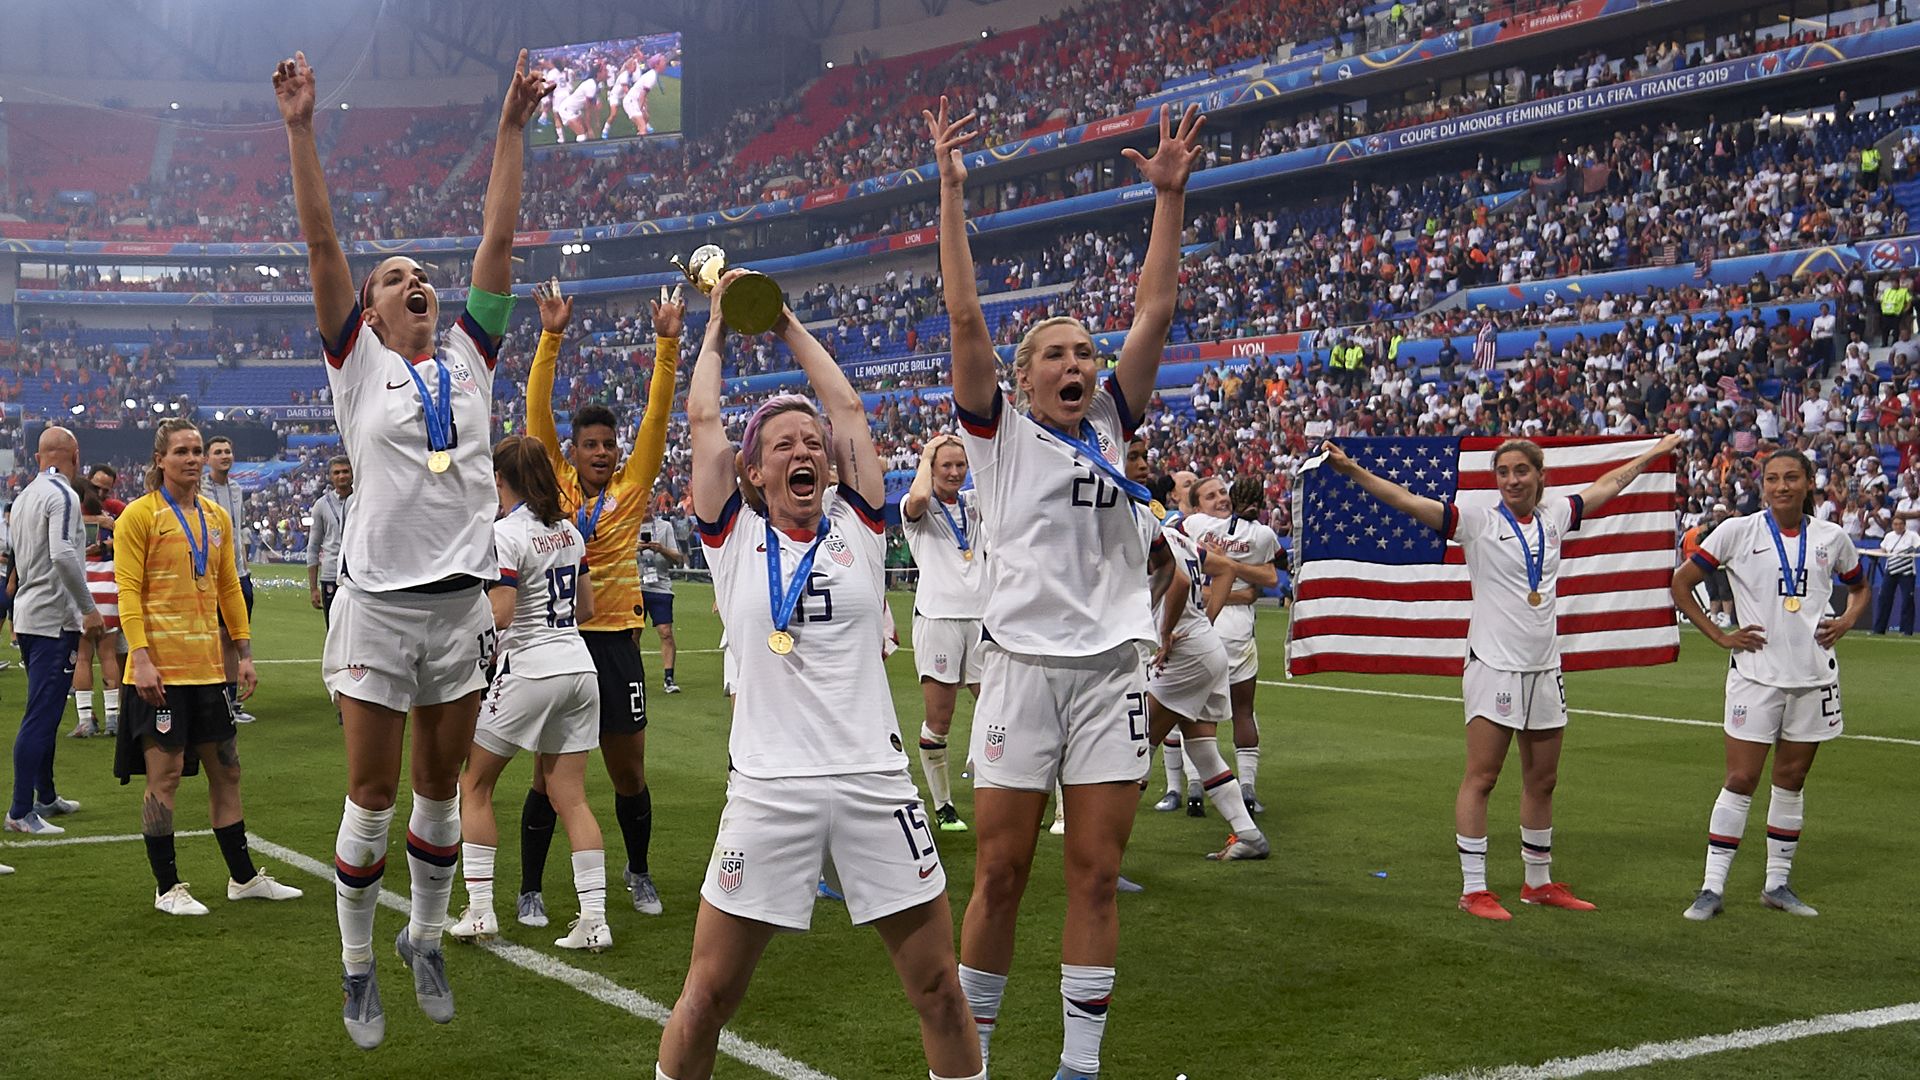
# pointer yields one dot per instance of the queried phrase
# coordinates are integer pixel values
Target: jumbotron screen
(605, 91)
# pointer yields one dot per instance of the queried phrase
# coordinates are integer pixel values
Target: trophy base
(752, 304)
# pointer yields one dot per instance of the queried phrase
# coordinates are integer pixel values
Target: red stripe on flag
(1435, 589)
(1562, 475)
(1640, 502)
(1470, 443)
(1376, 664)
(1599, 659)
(1447, 630)
(1587, 547)
(1590, 584)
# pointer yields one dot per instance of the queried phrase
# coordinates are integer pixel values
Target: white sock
(1059, 802)
(111, 698)
(83, 705)
(1171, 758)
(359, 859)
(590, 884)
(1724, 829)
(981, 1075)
(1473, 863)
(933, 762)
(433, 845)
(1085, 993)
(1223, 791)
(1785, 811)
(660, 1073)
(1248, 761)
(1536, 853)
(476, 865)
(984, 990)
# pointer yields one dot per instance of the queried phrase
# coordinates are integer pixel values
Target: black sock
(635, 815)
(160, 857)
(536, 835)
(669, 674)
(232, 693)
(233, 848)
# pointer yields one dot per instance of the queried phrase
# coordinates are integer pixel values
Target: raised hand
(555, 311)
(524, 92)
(669, 313)
(1173, 161)
(949, 136)
(293, 90)
(1337, 458)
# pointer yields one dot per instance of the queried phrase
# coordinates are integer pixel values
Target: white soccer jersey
(1744, 547)
(543, 564)
(1243, 541)
(951, 586)
(411, 526)
(823, 709)
(1069, 568)
(1503, 630)
(1187, 556)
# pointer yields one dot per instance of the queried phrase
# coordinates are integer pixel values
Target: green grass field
(1307, 965)
(663, 112)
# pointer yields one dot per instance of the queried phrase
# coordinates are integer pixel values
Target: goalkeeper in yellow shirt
(175, 567)
(608, 501)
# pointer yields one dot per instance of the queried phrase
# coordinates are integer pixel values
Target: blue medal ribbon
(1790, 576)
(1089, 447)
(784, 600)
(958, 527)
(199, 550)
(440, 413)
(1536, 562)
(589, 525)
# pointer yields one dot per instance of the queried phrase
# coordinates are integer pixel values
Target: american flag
(1486, 345)
(105, 590)
(1376, 591)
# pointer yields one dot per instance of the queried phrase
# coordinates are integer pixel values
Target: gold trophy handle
(688, 274)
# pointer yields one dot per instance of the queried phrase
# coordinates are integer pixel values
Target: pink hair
(780, 403)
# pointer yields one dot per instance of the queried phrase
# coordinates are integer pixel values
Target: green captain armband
(490, 310)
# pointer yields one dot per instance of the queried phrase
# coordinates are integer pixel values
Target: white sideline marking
(1635, 1057)
(598, 987)
(1581, 712)
(315, 659)
(119, 838)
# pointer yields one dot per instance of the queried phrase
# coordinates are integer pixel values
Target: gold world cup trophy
(752, 303)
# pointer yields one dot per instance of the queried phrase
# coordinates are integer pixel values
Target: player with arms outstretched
(1783, 679)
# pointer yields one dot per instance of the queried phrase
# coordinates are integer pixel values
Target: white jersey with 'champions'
(1744, 547)
(1187, 557)
(1243, 541)
(951, 586)
(1504, 631)
(412, 526)
(1068, 576)
(823, 709)
(544, 564)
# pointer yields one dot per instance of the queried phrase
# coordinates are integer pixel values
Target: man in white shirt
(1895, 602)
(218, 486)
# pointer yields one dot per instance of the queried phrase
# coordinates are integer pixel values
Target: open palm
(1179, 151)
(949, 137)
(293, 89)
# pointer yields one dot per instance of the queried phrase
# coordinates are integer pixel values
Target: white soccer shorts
(1243, 658)
(867, 831)
(398, 649)
(553, 714)
(947, 650)
(1078, 719)
(1760, 713)
(1193, 683)
(1521, 700)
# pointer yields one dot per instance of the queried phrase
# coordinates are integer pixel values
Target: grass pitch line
(1578, 712)
(597, 987)
(119, 838)
(1620, 1060)
(315, 659)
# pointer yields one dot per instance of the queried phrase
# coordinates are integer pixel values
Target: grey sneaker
(60, 805)
(1705, 906)
(646, 899)
(82, 730)
(1124, 885)
(1254, 805)
(533, 909)
(429, 977)
(1782, 898)
(366, 1021)
(111, 729)
(1239, 848)
(1169, 801)
(243, 717)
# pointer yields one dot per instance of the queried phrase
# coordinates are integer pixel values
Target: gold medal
(200, 582)
(780, 642)
(439, 461)
(967, 554)
(1793, 602)
(1534, 598)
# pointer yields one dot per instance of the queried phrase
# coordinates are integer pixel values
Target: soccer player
(545, 697)
(1223, 520)
(52, 608)
(819, 775)
(218, 486)
(106, 592)
(1512, 686)
(1063, 682)
(659, 552)
(175, 564)
(608, 501)
(1783, 679)
(415, 631)
(943, 532)
(329, 516)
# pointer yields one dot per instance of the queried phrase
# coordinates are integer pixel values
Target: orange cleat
(1485, 905)
(1554, 894)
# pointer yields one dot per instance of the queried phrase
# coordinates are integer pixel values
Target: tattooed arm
(1601, 491)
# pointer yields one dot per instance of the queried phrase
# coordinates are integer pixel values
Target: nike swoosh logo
(396, 385)
(1758, 551)
(1142, 752)
(1833, 723)
(927, 871)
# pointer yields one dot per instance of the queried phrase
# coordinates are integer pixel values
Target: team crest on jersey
(996, 742)
(356, 673)
(839, 551)
(940, 663)
(163, 721)
(1503, 704)
(213, 538)
(1822, 556)
(733, 870)
(1739, 716)
(463, 376)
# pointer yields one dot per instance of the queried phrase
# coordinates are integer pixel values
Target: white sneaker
(481, 925)
(5, 869)
(58, 806)
(593, 937)
(82, 730)
(262, 887)
(33, 825)
(1059, 826)
(177, 901)
(244, 718)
